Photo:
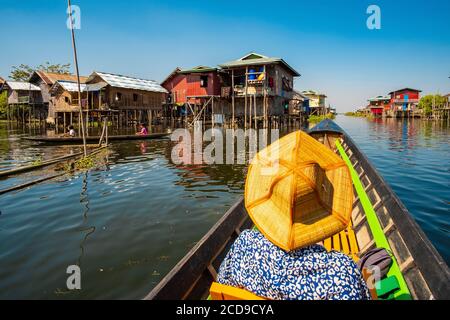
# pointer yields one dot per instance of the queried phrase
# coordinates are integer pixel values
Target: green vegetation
(317, 119)
(3, 104)
(95, 160)
(37, 162)
(427, 102)
(85, 163)
(358, 114)
(23, 72)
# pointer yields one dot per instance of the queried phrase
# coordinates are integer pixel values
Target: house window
(118, 96)
(66, 99)
(203, 81)
(135, 97)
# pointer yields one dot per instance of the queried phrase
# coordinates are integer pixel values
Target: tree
(55, 68)
(427, 102)
(23, 72)
(3, 104)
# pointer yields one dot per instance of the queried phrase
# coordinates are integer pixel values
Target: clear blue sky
(326, 41)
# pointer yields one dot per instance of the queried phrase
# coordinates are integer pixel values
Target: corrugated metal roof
(96, 86)
(71, 86)
(257, 59)
(24, 86)
(119, 81)
(379, 98)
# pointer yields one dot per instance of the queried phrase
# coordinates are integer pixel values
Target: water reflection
(84, 200)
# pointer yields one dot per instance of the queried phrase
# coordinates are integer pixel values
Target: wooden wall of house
(64, 101)
(133, 99)
(14, 96)
(278, 72)
(45, 89)
(184, 85)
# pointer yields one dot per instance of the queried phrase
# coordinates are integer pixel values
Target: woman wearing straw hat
(298, 193)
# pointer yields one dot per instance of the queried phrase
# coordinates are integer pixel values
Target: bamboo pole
(212, 112)
(65, 122)
(107, 138)
(105, 124)
(250, 111)
(232, 97)
(78, 76)
(246, 92)
(265, 106)
(255, 105)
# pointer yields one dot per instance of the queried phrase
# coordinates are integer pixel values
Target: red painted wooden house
(378, 105)
(193, 85)
(405, 99)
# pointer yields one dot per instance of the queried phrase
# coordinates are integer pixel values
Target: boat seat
(344, 242)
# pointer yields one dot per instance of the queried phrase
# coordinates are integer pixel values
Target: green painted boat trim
(375, 227)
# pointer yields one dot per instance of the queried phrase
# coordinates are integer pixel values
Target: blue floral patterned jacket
(255, 264)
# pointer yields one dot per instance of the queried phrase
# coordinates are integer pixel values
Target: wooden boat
(379, 219)
(79, 140)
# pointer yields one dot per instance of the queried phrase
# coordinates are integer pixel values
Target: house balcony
(240, 91)
(406, 101)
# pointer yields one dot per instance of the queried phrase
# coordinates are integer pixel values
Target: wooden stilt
(212, 112)
(56, 122)
(245, 97)
(250, 110)
(150, 119)
(232, 98)
(255, 116)
(79, 123)
(65, 124)
(265, 120)
(87, 124)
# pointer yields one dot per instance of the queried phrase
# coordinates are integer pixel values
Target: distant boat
(75, 140)
(379, 219)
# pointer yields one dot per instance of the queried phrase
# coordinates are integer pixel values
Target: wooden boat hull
(424, 271)
(79, 140)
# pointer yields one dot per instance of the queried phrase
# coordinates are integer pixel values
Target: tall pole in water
(78, 76)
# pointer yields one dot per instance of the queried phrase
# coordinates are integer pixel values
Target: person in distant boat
(143, 130)
(298, 194)
(72, 132)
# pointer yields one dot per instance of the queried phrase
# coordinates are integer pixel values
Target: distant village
(252, 91)
(403, 103)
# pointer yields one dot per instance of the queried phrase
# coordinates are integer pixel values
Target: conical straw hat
(298, 192)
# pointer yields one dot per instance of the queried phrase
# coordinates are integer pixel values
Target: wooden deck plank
(327, 244)
(345, 242)
(336, 242)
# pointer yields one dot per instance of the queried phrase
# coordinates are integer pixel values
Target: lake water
(127, 225)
